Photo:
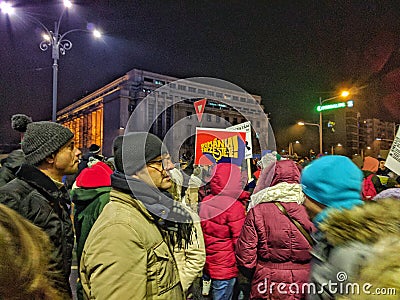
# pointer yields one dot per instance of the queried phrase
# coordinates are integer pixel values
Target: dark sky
(289, 52)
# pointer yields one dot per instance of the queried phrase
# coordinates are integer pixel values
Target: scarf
(175, 222)
(282, 192)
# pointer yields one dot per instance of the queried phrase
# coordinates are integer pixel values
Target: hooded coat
(222, 217)
(270, 246)
(346, 243)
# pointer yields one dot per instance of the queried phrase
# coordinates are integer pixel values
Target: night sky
(289, 52)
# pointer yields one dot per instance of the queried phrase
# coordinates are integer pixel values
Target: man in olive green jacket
(127, 254)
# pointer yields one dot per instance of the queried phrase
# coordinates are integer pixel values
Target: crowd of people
(146, 228)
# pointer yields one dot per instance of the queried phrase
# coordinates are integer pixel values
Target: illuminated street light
(6, 8)
(56, 41)
(386, 140)
(291, 148)
(301, 123)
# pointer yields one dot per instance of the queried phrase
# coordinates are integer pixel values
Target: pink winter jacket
(271, 246)
(222, 217)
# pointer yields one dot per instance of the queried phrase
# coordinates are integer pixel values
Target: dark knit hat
(19, 122)
(41, 139)
(94, 148)
(133, 150)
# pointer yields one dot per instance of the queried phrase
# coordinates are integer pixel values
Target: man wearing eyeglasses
(128, 253)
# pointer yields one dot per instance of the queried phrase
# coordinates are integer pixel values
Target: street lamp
(59, 44)
(343, 94)
(7, 8)
(301, 123)
(333, 148)
(291, 147)
(56, 41)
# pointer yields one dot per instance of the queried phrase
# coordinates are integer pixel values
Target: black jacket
(11, 166)
(36, 197)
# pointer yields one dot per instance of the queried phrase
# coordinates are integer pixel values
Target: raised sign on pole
(199, 108)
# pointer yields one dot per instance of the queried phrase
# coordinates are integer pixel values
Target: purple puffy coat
(271, 246)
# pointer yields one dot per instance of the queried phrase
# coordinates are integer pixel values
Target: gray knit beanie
(133, 150)
(41, 139)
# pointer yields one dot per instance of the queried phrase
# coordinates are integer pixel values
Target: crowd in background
(148, 228)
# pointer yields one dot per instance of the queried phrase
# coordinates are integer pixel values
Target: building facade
(163, 105)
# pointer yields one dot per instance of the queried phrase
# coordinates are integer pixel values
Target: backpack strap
(296, 223)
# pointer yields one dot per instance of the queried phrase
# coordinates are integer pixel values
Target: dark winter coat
(37, 198)
(222, 217)
(89, 203)
(270, 246)
(11, 166)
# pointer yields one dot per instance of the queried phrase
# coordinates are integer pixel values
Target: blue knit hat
(334, 181)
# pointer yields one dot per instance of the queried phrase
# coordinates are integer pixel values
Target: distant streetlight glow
(67, 3)
(6, 8)
(46, 37)
(345, 94)
(97, 33)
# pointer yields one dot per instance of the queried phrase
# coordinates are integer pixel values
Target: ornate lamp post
(56, 41)
(59, 44)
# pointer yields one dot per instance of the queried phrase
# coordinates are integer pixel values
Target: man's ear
(50, 159)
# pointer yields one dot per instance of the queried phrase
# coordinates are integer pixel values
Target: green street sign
(349, 103)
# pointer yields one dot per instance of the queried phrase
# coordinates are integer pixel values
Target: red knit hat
(96, 176)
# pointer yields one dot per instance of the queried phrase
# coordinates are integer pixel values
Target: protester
(372, 183)
(353, 238)
(91, 194)
(16, 158)
(379, 275)
(222, 217)
(388, 193)
(24, 259)
(190, 260)
(331, 184)
(128, 253)
(39, 195)
(272, 248)
(10, 166)
(94, 152)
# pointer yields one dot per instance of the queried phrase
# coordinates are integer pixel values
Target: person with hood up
(355, 238)
(370, 169)
(271, 247)
(222, 216)
(332, 184)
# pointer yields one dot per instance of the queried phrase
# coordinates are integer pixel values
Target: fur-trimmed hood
(365, 224)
